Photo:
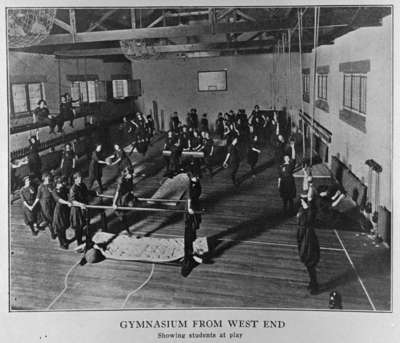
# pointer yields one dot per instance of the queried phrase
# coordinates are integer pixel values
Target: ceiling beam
(72, 22)
(186, 14)
(224, 13)
(101, 20)
(158, 20)
(163, 32)
(63, 25)
(257, 44)
(245, 16)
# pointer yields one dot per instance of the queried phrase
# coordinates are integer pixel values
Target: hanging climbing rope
(300, 30)
(316, 31)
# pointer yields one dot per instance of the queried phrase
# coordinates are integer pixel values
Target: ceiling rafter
(101, 20)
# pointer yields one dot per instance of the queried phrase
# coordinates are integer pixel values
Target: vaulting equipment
(173, 188)
(145, 249)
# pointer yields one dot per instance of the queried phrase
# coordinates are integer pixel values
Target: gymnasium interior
(325, 73)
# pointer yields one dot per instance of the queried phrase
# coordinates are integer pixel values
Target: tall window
(355, 92)
(306, 87)
(89, 91)
(322, 86)
(25, 96)
(120, 89)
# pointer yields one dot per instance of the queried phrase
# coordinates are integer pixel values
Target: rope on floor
(140, 287)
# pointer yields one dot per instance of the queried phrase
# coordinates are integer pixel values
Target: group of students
(140, 130)
(66, 113)
(47, 203)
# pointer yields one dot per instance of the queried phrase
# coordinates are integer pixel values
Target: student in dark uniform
(124, 196)
(287, 185)
(174, 122)
(167, 147)
(194, 118)
(28, 196)
(195, 145)
(79, 197)
(253, 153)
(308, 245)
(95, 167)
(208, 150)
(45, 198)
(150, 128)
(291, 150)
(204, 123)
(120, 158)
(34, 161)
(279, 150)
(61, 218)
(174, 161)
(43, 115)
(70, 115)
(192, 224)
(63, 115)
(219, 126)
(233, 157)
(231, 132)
(68, 163)
(185, 138)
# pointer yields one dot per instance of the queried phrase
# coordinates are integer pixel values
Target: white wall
(354, 146)
(172, 83)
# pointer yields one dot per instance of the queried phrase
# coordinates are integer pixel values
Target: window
(25, 96)
(306, 87)
(355, 92)
(209, 81)
(322, 86)
(88, 91)
(120, 89)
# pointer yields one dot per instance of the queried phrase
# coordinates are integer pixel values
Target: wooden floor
(255, 263)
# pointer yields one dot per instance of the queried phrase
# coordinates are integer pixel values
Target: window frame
(29, 110)
(322, 86)
(361, 79)
(306, 85)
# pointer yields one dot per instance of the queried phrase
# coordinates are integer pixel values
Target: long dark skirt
(47, 209)
(61, 219)
(30, 217)
(287, 189)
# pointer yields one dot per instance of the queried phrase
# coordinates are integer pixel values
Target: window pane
(355, 93)
(35, 94)
(363, 108)
(101, 93)
(19, 98)
(91, 91)
(120, 88)
(347, 90)
(75, 93)
(84, 92)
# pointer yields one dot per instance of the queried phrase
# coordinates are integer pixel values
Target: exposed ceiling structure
(196, 31)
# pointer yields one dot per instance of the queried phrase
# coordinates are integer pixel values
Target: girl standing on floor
(253, 154)
(28, 196)
(61, 220)
(68, 163)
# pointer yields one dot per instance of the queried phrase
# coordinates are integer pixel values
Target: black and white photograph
(234, 158)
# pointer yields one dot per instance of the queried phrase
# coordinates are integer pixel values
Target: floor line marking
(355, 271)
